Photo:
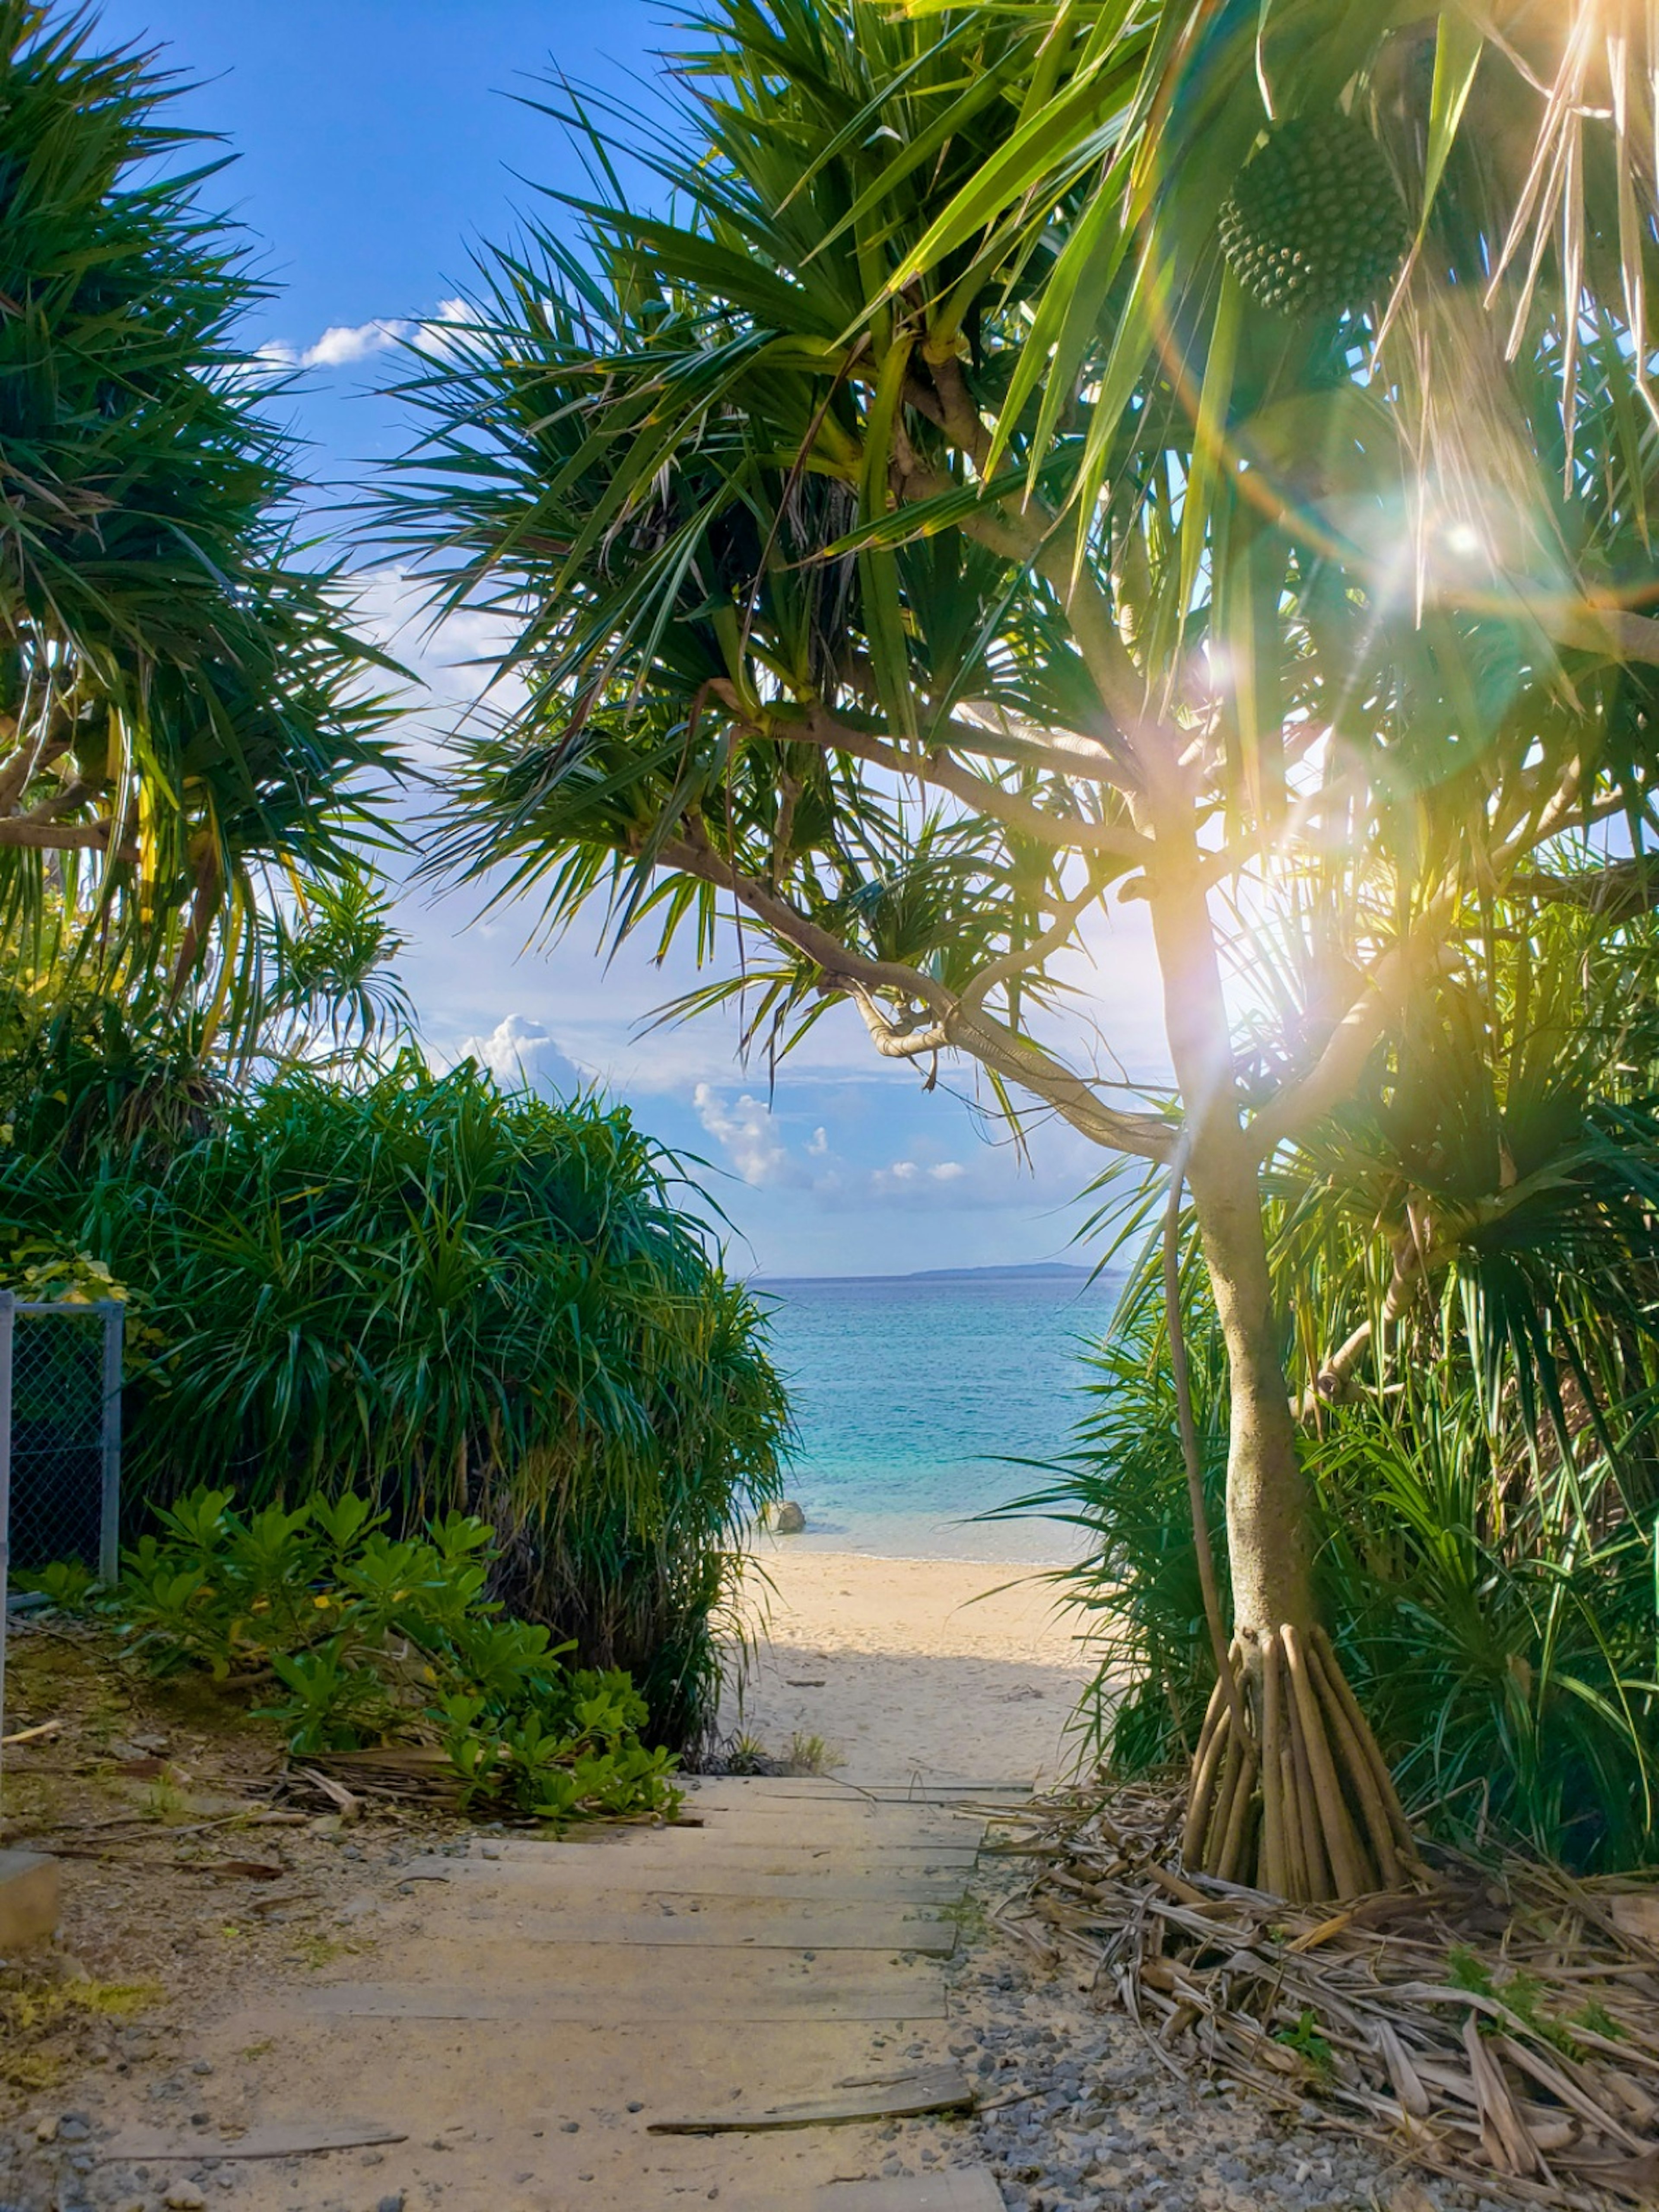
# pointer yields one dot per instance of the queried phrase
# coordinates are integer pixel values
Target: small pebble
(184, 2196)
(569, 2126)
(392, 2202)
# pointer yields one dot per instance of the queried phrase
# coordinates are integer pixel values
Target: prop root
(1290, 1792)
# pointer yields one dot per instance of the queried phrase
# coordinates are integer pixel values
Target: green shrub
(447, 1300)
(1498, 1629)
(366, 1636)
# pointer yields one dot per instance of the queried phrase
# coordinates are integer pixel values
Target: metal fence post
(109, 1515)
(8, 1315)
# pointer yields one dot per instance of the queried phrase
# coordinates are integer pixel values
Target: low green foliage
(1521, 1993)
(446, 1298)
(1500, 1632)
(67, 1582)
(1308, 2041)
(365, 1636)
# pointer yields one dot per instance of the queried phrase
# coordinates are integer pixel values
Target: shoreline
(930, 1669)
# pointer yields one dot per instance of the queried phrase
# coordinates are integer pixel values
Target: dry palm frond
(1483, 522)
(1501, 2027)
(1606, 72)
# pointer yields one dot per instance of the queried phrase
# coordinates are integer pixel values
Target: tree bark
(1300, 1800)
(1266, 1494)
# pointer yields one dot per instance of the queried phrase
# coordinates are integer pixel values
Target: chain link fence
(60, 1433)
(60, 1440)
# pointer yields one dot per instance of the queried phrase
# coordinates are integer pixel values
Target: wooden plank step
(751, 1798)
(904, 1993)
(682, 1847)
(877, 2096)
(275, 2139)
(498, 1961)
(750, 1927)
(802, 1816)
(631, 1976)
(955, 2189)
(827, 1885)
(782, 1786)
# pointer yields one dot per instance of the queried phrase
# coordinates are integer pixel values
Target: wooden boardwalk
(541, 2020)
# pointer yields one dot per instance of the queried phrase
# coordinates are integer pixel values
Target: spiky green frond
(181, 695)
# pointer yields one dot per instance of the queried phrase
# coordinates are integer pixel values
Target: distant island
(1046, 1271)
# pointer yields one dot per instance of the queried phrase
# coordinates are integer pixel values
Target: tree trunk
(1289, 1792)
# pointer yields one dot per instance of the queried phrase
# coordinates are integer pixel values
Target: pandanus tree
(969, 491)
(180, 700)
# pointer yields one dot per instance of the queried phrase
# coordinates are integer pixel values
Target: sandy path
(942, 1670)
(510, 2023)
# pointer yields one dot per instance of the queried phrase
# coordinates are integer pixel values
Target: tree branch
(970, 1030)
(1330, 1386)
(27, 761)
(985, 797)
(1020, 959)
(1616, 892)
(1334, 1075)
(1027, 534)
(695, 855)
(18, 830)
(1612, 631)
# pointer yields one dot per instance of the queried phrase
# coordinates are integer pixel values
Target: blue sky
(379, 146)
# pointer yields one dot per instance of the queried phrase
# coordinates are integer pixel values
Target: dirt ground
(191, 1874)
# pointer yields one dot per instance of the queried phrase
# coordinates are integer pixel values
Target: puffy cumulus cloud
(339, 346)
(522, 1056)
(748, 1132)
(444, 332)
(343, 344)
(909, 1175)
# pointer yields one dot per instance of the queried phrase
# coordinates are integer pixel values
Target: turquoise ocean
(913, 1394)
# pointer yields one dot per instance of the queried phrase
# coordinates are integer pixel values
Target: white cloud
(819, 1144)
(522, 1056)
(947, 1171)
(438, 332)
(340, 345)
(750, 1136)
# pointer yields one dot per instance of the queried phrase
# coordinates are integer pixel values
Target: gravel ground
(1081, 2110)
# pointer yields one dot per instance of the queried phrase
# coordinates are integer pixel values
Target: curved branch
(969, 1030)
(19, 830)
(1616, 892)
(1028, 534)
(980, 793)
(1334, 1075)
(1331, 1385)
(693, 854)
(1017, 1059)
(1019, 959)
(1589, 629)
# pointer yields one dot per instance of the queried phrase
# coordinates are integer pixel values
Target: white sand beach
(932, 1669)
